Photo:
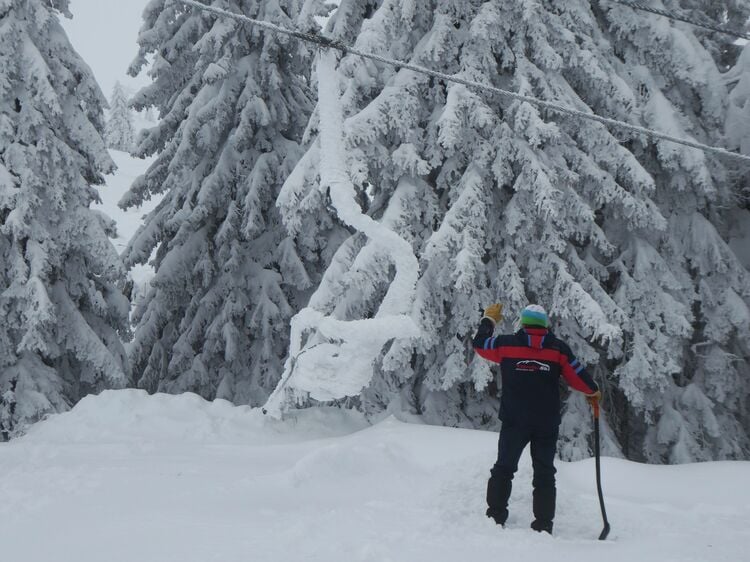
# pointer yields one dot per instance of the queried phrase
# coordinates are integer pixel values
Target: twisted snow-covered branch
(337, 361)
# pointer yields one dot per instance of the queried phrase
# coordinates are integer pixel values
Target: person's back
(531, 362)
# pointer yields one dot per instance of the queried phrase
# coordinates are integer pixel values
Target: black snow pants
(513, 440)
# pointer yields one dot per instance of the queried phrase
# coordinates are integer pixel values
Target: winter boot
(500, 517)
(544, 508)
(539, 526)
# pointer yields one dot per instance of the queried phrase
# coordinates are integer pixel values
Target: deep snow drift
(130, 477)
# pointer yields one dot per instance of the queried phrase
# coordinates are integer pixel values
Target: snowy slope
(129, 477)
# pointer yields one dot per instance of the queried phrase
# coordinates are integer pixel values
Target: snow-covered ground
(130, 477)
(128, 222)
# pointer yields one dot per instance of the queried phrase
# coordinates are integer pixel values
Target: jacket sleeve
(575, 373)
(485, 344)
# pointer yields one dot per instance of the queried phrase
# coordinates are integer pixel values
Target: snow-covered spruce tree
(423, 156)
(701, 411)
(234, 103)
(504, 202)
(119, 132)
(61, 307)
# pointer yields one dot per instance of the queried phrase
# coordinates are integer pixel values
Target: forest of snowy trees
(341, 223)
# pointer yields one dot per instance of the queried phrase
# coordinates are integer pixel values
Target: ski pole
(605, 530)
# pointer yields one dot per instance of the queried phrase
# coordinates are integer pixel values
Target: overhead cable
(329, 43)
(684, 19)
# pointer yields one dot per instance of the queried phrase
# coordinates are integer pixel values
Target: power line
(329, 43)
(684, 19)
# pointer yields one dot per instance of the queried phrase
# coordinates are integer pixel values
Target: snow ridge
(161, 478)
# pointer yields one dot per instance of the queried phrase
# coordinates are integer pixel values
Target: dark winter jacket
(531, 362)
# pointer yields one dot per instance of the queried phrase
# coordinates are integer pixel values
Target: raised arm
(575, 373)
(485, 344)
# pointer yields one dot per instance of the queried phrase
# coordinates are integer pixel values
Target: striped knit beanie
(534, 316)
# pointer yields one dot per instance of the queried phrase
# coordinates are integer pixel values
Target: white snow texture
(177, 479)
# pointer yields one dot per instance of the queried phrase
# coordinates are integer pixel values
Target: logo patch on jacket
(532, 366)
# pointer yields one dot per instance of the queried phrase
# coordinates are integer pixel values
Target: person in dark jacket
(531, 362)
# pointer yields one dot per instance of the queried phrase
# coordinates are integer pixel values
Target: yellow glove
(494, 312)
(593, 399)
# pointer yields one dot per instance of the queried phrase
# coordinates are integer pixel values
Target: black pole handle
(605, 530)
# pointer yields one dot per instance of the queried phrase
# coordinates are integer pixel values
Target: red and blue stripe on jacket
(531, 363)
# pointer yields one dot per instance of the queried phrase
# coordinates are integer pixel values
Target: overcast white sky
(104, 32)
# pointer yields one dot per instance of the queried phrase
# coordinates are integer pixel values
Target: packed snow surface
(129, 477)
